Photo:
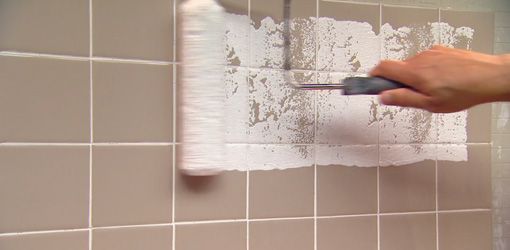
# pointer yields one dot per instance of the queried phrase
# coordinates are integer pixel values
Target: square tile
(399, 125)
(46, 186)
(281, 193)
(452, 127)
(478, 127)
(501, 110)
(131, 185)
(56, 241)
(502, 19)
(414, 3)
(345, 120)
(471, 5)
(279, 113)
(132, 29)
(237, 32)
(217, 197)
(408, 188)
(133, 238)
(347, 189)
(44, 100)
(501, 48)
(225, 236)
(132, 103)
(237, 111)
(347, 36)
(403, 232)
(502, 35)
(267, 37)
(500, 196)
(468, 30)
(466, 184)
(408, 31)
(52, 27)
(355, 233)
(282, 235)
(466, 231)
(274, 156)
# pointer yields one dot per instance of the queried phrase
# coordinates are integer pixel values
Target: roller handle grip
(369, 85)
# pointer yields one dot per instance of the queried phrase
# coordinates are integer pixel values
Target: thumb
(405, 98)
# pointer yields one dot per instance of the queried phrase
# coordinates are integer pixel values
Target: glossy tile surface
(466, 231)
(281, 235)
(225, 236)
(43, 188)
(403, 232)
(44, 100)
(150, 238)
(131, 185)
(132, 103)
(358, 233)
(54, 241)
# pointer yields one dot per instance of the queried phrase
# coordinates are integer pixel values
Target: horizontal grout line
(34, 144)
(238, 220)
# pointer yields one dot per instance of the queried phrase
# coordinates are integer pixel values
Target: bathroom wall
(88, 132)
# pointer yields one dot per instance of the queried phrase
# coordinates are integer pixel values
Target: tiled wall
(87, 144)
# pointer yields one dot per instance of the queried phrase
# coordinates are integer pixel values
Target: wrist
(503, 77)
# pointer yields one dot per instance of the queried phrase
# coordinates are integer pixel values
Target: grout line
(91, 121)
(349, 2)
(316, 111)
(437, 149)
(248, 184)
(379, 147)
(174, 118)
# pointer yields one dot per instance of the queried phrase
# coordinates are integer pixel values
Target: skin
(444, 80)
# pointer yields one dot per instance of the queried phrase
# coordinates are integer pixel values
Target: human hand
(445, 80)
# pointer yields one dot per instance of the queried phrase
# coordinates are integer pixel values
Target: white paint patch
(267, 117)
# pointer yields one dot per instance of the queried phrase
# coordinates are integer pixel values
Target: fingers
(395, 70)
(405, 98)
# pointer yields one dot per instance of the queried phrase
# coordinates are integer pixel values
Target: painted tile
(33, 29)
(281, 193)
(466, 231)
(408, 188)
(468, 30)
(347, 37)
(282, 235)
(237, 32)
(344, 189)
(237, 109)
(278, 112)
(345, 120)
(356, 233)
(131, 185)
(267, 34)
(225, 236)
(405, 154)
(132, 103)
(48, 187)
(44, 100)
(150, 238)
(132, 29)
(52, 241)
(403, 232)
(273, 156)
(466, 184)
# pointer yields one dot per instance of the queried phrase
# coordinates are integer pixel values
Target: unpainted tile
(470, 5)
(408, 188)
(282, 235)
(281, 193)
(468, 30)
(52, 27)
(48, 187)
(478, 127)
(44, 100)
(466, 184)
(500, 127)
(403, 232)
(502, 35)
(225, 236)
(132, 103)
(413, 3)
(501, 110)
(501, 48)
(54, 241)
(465, 231)
(217, 197)
(133, 29)
(355, 233)
(500, 195)
(150, 238)
(347, 37)
(131, 185)
(501, 5)
(502, 19)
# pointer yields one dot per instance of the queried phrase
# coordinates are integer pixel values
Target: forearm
(503, 81)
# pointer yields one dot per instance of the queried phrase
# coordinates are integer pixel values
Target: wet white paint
(273, 126)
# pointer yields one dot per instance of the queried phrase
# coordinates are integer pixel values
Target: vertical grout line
(174, 115)
(315, 112)
(379, 144)
(91, 121)
(437, 146)
(247, 133)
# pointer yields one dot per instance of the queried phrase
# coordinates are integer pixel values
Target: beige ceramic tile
(48, 187)
(281, 193)
(44, 100)
(53, 27)
(131, 185)
(267, 34)
(216, 197)
(465, 231)
(356, 233)
(238, 28)
(347, 36)
(479, 123)
(408, 187)
(346, 190)
(282, 235)
(404, 232)
(472, 5)
(501, 48)
(133, 29)
(52, 241)
(464, 185)
(149, 238)
(225, 236)
(132, 103)
(481, 23)
(413, 3)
